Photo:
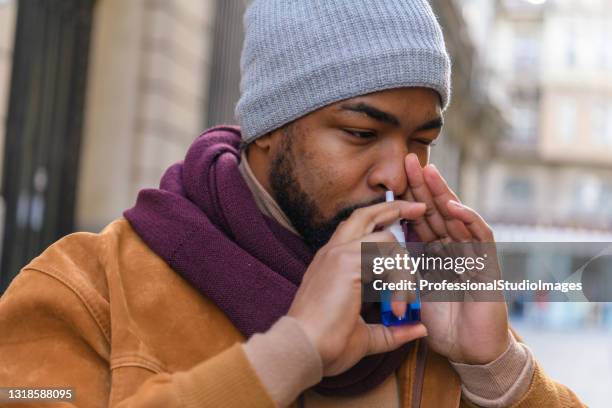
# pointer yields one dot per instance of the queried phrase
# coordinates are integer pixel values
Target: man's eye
(426, 142)
(361, 134)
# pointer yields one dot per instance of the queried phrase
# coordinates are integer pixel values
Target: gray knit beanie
(301, 55)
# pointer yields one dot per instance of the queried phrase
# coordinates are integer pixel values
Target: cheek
(330, 175)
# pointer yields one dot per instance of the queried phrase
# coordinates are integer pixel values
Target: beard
(300, 207)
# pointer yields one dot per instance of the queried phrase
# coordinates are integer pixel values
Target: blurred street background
(98, 97)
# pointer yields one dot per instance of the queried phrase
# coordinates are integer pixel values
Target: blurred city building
(549, 70)
(7, 29)
(147, 95)
(44, 117)
(473, 125)
(104, 95)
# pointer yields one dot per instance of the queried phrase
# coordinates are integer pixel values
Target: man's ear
(265, 142)
(268, 143)
(260, 148)
(260, 153)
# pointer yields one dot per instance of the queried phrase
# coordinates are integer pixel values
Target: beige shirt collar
(263, 199)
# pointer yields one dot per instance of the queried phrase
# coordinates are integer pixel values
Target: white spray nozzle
(389, 196)
(395, 228)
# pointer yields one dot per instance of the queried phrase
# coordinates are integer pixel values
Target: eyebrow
(436, 123)
(388, 118)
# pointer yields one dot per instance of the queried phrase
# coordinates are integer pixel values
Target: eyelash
(370, 135)
(359, 134)
(429, 143)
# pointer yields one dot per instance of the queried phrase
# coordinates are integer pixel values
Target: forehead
(399, 98)
(404, 103)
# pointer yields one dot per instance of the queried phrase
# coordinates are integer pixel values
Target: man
(237, 282)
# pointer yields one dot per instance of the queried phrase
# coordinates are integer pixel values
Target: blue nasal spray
(413, 310)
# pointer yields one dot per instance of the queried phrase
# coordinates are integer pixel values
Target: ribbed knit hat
(301, 55)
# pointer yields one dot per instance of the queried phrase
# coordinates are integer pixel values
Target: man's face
(344, 156)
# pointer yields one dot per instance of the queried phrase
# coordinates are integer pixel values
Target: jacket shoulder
(80, 259)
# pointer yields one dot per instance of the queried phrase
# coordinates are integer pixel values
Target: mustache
(323, 232)
(345, 213)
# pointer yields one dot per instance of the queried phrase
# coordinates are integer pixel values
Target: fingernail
(455, 204)
(399, 309)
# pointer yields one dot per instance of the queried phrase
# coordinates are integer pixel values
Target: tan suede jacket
(104, 315)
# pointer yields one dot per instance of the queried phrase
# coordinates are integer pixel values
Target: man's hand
(466, 332)
(328, 301)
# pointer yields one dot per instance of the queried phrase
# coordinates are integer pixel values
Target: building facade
(8, 11)
(473, 124)
(108, 93)
(550, 73)
(146, 101)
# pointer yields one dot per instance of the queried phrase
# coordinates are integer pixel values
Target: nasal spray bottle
(413, 310)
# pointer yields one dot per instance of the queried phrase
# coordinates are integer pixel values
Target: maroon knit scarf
(203, 221)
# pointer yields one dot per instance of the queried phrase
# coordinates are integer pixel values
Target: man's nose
(389, 173)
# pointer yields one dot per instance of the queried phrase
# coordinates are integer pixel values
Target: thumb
(383, 338)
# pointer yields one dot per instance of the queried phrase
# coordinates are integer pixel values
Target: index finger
(442, 194)
(420, 192)
(364, 221)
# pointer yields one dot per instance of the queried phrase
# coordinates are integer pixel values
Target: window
(526, 54)
(606, 201)
(588, 193)
(601, 125)
(606, 49)
(567, 120)
(518, 190)
(525, 119)
(570, 57)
